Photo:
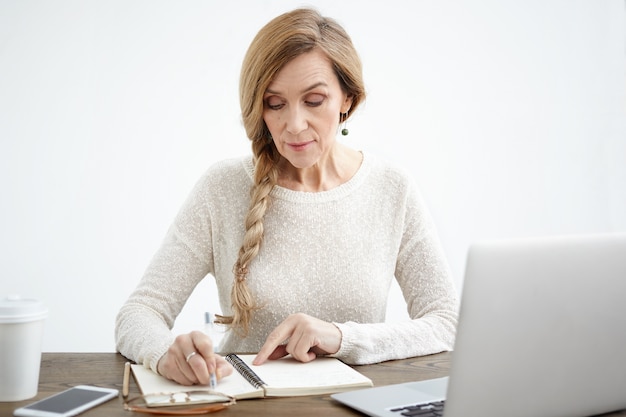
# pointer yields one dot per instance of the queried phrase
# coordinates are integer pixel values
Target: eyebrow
(312, 87)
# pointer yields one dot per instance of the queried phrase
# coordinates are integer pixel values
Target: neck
(334, 170)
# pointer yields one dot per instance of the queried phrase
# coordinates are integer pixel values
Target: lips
(299, 146)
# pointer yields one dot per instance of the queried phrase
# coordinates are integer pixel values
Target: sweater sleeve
(143, 324)
(432, 301)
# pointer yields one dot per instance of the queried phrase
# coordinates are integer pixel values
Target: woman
(303, 237)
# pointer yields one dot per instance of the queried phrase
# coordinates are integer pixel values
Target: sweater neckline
(333, 194)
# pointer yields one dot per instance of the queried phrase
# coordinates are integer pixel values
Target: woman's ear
(347, 104)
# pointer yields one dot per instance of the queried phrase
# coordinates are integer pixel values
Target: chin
(301, 159)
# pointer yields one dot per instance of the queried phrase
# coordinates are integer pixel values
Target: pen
(126, 381)
(213, 380)
(208, 329)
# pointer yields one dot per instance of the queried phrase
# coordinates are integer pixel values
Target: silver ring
(189, 356)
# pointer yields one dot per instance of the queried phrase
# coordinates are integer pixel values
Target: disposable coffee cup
(21, 337)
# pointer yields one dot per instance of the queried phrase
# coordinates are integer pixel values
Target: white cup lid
(15, 309)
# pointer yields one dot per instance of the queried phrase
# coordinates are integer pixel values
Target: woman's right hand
(190, 360)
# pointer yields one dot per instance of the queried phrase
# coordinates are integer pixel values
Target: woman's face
(301, 109)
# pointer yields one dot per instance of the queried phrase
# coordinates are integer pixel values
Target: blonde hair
(281, 40)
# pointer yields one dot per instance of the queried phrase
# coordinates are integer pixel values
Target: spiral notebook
(283, 377)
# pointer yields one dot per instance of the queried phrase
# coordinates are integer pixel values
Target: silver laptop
(542, 332)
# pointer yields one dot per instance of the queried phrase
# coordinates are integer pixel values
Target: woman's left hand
(302, 336)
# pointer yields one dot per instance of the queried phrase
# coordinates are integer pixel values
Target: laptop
(541, 333)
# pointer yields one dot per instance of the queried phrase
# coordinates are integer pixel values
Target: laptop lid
(542, 332)
(542, 329)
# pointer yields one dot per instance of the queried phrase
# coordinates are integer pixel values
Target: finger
(299, 347)
(223, 367)
(202, 364)
(278, 353)
(169, 368)
(275, 339)
(186, 358)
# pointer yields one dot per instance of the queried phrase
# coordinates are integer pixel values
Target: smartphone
(68, 403)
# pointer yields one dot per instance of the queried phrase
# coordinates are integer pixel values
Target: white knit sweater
(330, 254)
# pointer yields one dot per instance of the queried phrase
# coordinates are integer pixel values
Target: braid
(265, 176)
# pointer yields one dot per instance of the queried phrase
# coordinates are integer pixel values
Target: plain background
(510, 115)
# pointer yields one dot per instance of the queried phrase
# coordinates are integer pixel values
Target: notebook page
(287, 376)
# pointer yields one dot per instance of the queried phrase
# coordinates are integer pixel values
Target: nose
(295, 121)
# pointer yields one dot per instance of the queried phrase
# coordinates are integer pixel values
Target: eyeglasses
(180, 403)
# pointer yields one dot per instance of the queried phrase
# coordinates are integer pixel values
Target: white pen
(208, 327)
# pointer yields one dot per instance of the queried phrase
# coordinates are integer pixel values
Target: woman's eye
(314, 100)
(273, 104)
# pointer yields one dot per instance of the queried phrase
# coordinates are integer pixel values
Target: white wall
(510, 114)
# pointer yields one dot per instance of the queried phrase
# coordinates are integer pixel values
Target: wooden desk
(63, 370)
(60, 371)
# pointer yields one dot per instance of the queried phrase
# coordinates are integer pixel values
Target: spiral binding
(241, 367)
